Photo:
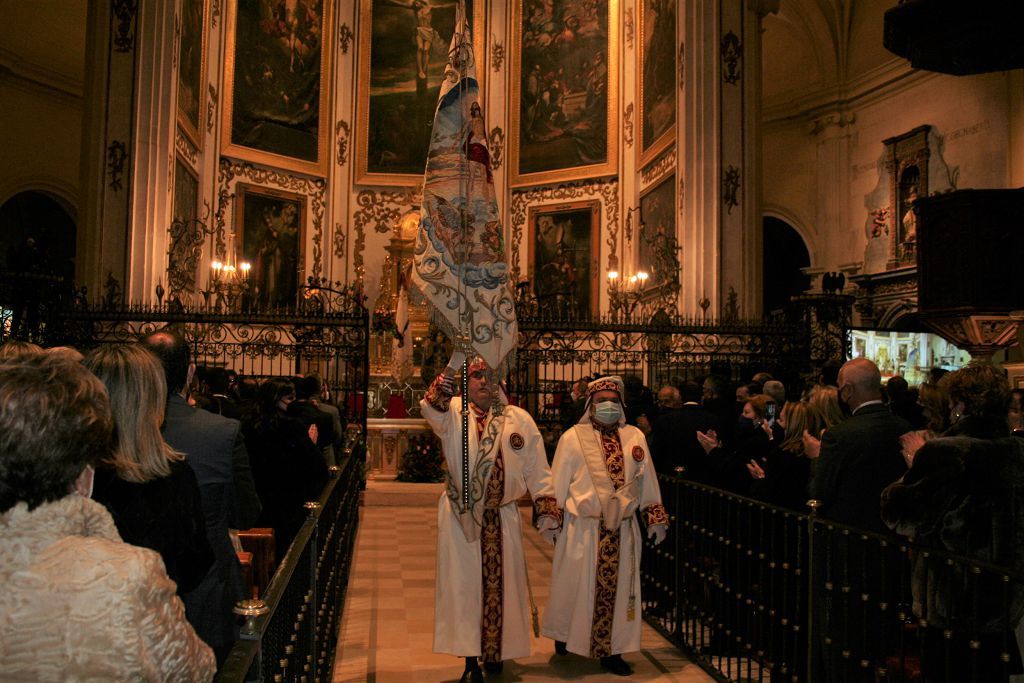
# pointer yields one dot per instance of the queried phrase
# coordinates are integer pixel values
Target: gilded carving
(627, 125)
(665, 163)
(314, 188)
(186, 149)
(629, 26)
(732, 59)
(606, 190)
(214, 13)
(382, 209)
(682, 64)
(496, 143)
(211, 108)
(682, 195)
(730, 187)
(124, 12)
(342, 131)
(345, 36)
(339, 241)
(117, 154)
(497, 54)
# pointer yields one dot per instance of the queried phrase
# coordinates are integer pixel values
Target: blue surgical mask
(607, 412)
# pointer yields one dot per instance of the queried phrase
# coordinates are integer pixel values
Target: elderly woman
(77, 602)
(147, 486)
(964, 494)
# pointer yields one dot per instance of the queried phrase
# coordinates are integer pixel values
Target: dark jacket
(289, 471)
(785, 481)
(964, 495)
(859, 457)
(674, 441)
(216, 453)
(165, 515)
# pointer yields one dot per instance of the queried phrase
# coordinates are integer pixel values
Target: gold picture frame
(394, 105)
(191, 83)
(270, 233)
(656, 78)
(656, 247)
(279, 85)
(564, 257)
(565, 55)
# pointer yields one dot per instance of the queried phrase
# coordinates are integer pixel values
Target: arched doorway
(37, 235)
(784, 255)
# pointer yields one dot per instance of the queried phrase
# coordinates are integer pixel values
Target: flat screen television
(908, 354)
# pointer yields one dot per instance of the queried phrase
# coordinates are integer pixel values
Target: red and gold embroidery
(516, 441)
(547, 506)
(607, 556)
(638, 453)
(437, 395)
(491, 562)
(655, 513)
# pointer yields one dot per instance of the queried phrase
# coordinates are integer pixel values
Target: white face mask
(607, 412)
(83, 485)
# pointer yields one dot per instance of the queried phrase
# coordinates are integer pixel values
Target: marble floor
(387, 628)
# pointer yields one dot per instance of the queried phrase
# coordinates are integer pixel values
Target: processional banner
(460, 260)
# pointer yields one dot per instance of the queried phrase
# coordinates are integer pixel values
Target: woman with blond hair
(149, 489)
(781, 476)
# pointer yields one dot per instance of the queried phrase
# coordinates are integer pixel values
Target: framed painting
(656, 250)
(277, 83)
(564, 258)
(270, 228)
(192, 69)
(563, 105)
(403, 50)
(183, 252)
(656, 67)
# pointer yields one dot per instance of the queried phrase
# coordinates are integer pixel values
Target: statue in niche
(909, 217)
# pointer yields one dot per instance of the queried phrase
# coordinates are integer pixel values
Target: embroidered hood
(609, 383)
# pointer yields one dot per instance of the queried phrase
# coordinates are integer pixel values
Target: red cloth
(396, 407)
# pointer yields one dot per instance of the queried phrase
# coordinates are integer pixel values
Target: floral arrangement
(423, 460)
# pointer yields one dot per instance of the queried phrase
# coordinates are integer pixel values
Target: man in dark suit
(674, 440)
(216, 452)
(306, 410)
(859, 457)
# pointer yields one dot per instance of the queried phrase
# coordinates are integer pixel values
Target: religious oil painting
(402, 57)
(270, 228)
(192, 69)
(657, 77)
(563, 82)
(564, 258)
(656, 251)
(277, 83)
(182, 256)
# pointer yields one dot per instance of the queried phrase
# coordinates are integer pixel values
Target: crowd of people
(123, 476)
(123, 472)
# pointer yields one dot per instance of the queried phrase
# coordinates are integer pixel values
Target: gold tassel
(631, 609)
(536, 621)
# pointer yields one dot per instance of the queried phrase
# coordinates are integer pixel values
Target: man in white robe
(482, 599)
(602, 474)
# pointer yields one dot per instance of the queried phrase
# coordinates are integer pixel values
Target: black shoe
(472, 676)
(494, 667)
(560, 648)
(616, 665)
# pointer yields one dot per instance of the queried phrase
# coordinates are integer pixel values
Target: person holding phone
(781, 474)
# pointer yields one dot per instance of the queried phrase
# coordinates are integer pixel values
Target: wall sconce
(228, 284)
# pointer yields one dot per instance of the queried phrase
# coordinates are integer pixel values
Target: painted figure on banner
(602, 476)
(659, 77)
(460, 259)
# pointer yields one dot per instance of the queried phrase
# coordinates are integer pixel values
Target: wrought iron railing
(295, 636)
(755, 592)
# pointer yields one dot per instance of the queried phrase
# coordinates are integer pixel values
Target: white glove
(657, 532)
(456, 361)
(550, 535)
